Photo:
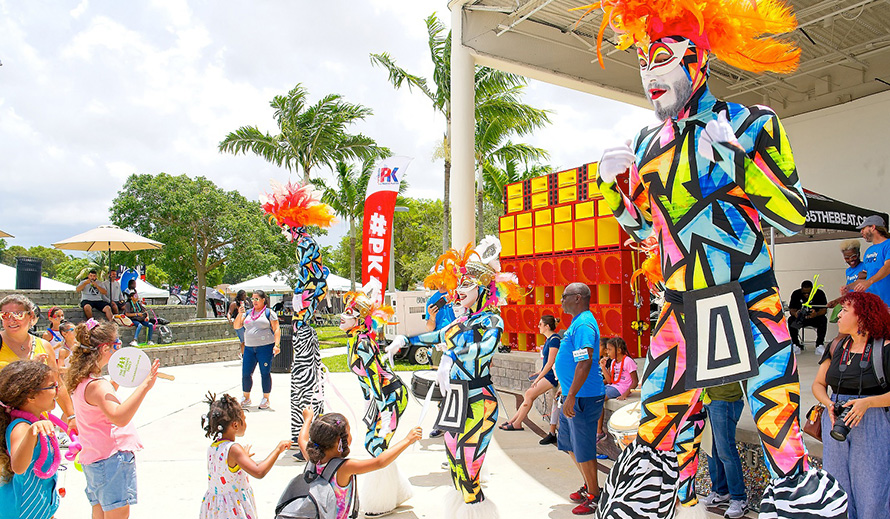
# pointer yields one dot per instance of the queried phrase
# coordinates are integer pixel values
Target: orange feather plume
(296, 205)
(736, 31)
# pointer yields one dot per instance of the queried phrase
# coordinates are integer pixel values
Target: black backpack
(310, 496)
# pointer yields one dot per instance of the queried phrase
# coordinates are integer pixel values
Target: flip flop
(507, 426)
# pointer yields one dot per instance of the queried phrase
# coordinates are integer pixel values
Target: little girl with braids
(329, 437)
(229, 495)
(29, 452)
(105, 426)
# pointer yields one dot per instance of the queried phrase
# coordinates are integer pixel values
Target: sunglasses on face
(18, 316)
(53, 387)
(116, 345)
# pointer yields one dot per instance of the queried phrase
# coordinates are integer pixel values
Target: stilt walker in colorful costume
(701, 182)
(383, 490)
(295, 207)
(470, 411)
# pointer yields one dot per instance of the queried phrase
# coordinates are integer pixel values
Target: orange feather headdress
(468, 267)
(374, 315)
(296, 205)
(736, 31)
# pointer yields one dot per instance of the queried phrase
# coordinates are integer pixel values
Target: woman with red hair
(856, 421)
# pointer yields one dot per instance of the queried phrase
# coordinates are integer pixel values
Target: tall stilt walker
(295, 207)
(702, 182)
(383, 490)
(470, 410)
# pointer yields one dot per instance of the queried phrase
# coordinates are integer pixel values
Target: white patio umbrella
(108, 238)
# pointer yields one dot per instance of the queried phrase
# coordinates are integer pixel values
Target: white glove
(443, 375)
(385, 423)
(718, 130)
(615, 161)
(398, 342)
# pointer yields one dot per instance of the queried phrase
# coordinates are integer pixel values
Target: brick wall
(204, 329)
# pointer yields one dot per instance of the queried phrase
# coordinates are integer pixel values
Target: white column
(463, 214)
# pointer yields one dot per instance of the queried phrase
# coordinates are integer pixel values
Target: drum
(421, 381)
(624, 423)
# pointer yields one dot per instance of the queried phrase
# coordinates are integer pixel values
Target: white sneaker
(150, 343)
(714, 499)
(245, 402)
(134, 344)
(736, 509)
(820, 350)
(264, 403)
(796, 349)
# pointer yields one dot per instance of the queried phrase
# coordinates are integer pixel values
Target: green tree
(494, 148)
(201, 225)
(69, 270)
(156, 276)
(347, 199)
(310, 136)
(497, 94)
(417, 233)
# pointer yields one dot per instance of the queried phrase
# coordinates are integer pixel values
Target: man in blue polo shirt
(581, 383)
(876, 258)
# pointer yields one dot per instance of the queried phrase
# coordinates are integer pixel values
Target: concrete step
(198, 353)
(172, 313)
(196, 330)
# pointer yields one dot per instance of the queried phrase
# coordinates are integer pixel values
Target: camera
(802, 315)
(840, 430)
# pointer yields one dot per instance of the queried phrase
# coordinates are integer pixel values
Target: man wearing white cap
(876, 258)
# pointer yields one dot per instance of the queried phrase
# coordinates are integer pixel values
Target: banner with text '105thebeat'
(380, 203)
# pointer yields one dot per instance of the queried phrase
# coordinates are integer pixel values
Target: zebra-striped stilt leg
(305, 377)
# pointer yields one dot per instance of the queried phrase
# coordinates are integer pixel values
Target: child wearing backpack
(327, 439)
(29, 452)
(229, 495)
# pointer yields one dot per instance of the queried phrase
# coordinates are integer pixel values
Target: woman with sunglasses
(262, 341)
(18, 315)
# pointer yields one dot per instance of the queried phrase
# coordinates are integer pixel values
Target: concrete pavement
(527, 480)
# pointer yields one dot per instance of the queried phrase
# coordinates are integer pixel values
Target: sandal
(507, 426)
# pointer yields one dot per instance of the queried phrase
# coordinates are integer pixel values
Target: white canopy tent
(275, 283)
(7, 281)
(147, 290)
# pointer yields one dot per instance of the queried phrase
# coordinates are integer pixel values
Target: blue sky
(91, 93)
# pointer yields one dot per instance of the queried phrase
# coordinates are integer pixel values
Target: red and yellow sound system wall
(558, 230)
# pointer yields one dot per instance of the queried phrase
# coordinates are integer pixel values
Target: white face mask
(348, 320)
(665, 82)
(468, 296)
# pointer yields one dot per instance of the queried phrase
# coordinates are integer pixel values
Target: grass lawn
(184, 343)
(330, 337)
(337, 364)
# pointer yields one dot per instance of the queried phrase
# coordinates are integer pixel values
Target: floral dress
(228, 491)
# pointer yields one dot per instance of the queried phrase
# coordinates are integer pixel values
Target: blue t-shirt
(853, 273)
(874, 259)
(444, 316)
(582, 333)
(551, 347)
(26, 496)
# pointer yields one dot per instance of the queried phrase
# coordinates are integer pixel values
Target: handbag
(813, 425)
(122, 320)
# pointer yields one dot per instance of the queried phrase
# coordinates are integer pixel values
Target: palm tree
(503, 115)
(487, 81)
(310, 136)
(348, 200)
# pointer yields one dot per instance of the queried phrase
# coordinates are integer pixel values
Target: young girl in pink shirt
(107, 435)
(620, 376)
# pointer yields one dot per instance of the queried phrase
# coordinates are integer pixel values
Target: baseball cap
(874, 219)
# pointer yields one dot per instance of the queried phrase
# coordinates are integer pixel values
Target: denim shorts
(111, 483)
(612, 392)
(578, 434)
(240, 333)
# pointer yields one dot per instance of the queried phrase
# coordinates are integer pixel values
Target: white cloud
(98, 92)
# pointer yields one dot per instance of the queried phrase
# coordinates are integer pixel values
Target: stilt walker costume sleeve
(387, 397)
(470, 411)
(294, 207)
(702, 182)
